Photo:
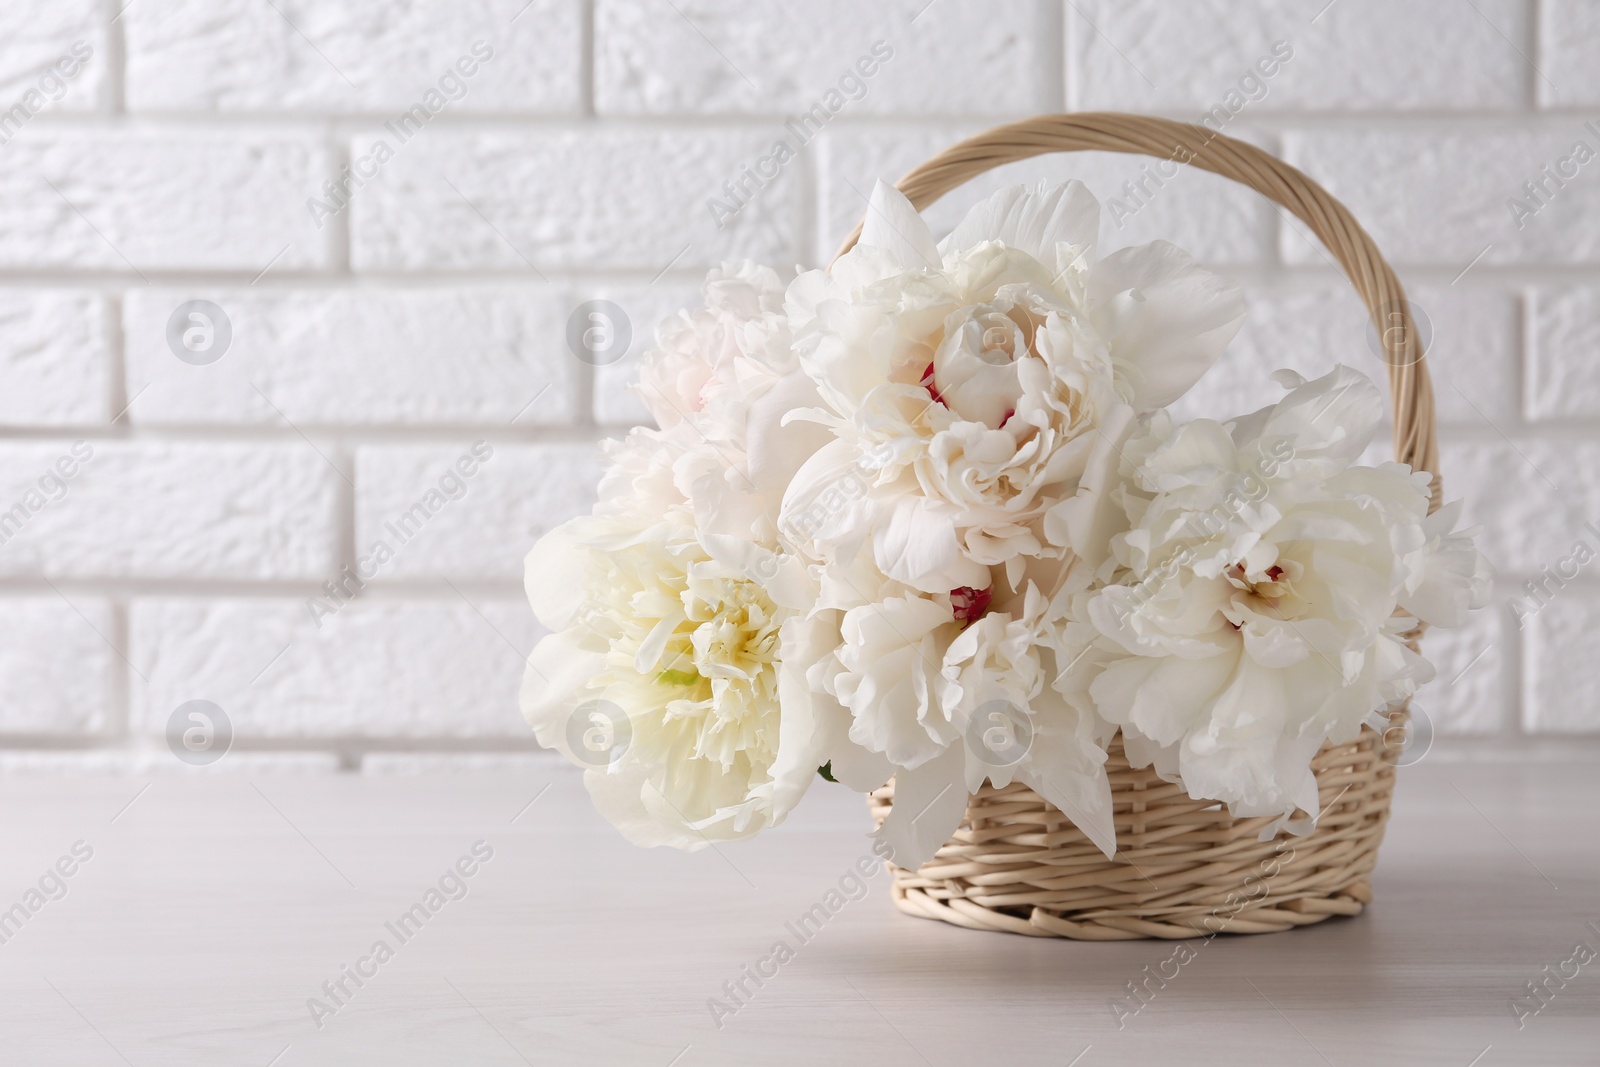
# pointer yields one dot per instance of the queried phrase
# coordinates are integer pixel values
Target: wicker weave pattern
(1184, 867)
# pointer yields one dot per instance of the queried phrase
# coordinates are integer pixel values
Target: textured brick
(1563, 673)
(189, 200)
(1425, 118)
(1565, 382)
(1473, 355)
(1532, 497)
(241, 55)
(377, 669)
(1150, 55)
(646, 306)
(55, 665)
(1569, 40)
(1441, 196)
(38, 33)
(358, 356)
(722, 56)
(1213, 219)
(168, 510)
(1472, 693)
(567, 199)
(484, 530)
(54, 358)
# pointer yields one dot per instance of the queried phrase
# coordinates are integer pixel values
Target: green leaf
(826, 770)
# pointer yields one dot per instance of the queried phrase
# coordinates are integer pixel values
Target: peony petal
(1334, 416)
(918, 546)
(1087, 521)
(1163, 698)
(1167, 318)
(552, 573)
(1066, 766)
(1033, 221)
(623, 795)
(893, 225)
(775, 449)
(827, 499)
(929, 804)
(1452, 577)
(559, 670)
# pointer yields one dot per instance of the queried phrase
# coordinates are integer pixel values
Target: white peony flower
(995, 688)
(671, 607)
(975, 380)
(975, 391)
(1250, 610)
(741, 334)
(661, 673)
(946, 690)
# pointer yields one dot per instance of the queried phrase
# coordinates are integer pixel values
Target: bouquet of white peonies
(925, 517)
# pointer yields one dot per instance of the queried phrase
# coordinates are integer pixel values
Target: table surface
(214, 908)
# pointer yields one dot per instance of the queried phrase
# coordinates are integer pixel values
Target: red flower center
(968, 604)
(927, 383)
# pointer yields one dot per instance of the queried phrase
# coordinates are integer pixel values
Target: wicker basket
(1184, 868)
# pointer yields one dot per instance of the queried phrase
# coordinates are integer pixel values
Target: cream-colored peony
(1256, 596)
(671, 605)
(994, 692)
(946, 690)
(970, 386)
(972, 381)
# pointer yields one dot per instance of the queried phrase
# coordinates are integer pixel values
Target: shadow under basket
(1184, 868)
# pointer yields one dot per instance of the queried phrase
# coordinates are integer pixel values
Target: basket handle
(1411, 392)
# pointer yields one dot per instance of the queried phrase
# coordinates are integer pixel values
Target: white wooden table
(214, 907)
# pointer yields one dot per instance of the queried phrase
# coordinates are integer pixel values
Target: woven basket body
(1184, 867)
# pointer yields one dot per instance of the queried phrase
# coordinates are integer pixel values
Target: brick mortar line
(354, 124)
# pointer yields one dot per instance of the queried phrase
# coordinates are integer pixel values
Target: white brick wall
(574, 148)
